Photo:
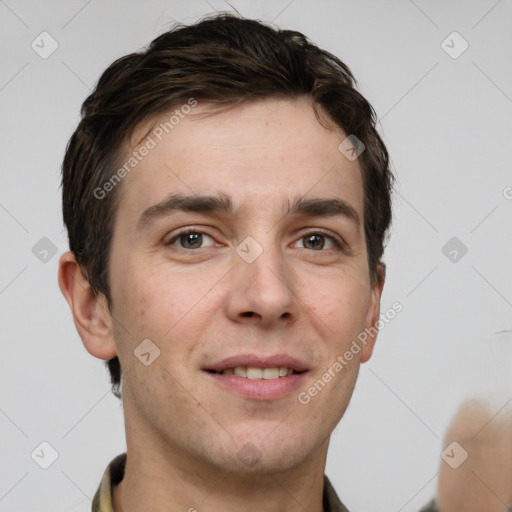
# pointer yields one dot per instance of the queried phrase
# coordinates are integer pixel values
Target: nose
(262, 292)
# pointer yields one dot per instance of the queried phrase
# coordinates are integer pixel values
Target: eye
(191, 239)
(318, 241)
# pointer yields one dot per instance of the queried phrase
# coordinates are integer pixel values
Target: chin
(269, 454)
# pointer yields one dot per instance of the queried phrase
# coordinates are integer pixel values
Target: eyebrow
(324, 207)
(222, 203)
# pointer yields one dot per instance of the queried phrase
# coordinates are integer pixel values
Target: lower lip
(260, 389)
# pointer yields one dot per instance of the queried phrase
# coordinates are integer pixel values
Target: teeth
(240, 371)
(270, 373)
(254, 373)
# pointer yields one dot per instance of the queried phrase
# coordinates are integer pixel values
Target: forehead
(255, 150)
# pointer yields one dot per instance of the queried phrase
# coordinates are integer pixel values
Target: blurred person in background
(475, 474)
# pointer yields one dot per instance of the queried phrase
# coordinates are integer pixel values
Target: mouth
(255, 373)
(258, 377)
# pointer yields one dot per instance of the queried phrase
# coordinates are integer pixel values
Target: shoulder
(430, 507)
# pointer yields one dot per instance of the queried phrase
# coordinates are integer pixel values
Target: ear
(92, 318)
(373, 313)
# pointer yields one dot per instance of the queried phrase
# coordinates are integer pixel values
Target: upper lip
(258, 361)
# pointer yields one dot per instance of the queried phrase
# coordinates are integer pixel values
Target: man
(227, 199)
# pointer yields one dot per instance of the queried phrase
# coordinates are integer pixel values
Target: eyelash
(339, 245)
(186, 231)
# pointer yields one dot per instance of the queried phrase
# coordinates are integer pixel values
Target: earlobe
(373, 314)
(90, 312)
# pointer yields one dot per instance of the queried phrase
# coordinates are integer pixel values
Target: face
(253, 263)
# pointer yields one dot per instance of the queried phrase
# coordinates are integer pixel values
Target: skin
(184, 434)
(483, 482)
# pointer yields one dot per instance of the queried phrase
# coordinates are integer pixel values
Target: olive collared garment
(114, 473)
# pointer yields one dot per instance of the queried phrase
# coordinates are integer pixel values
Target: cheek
(150, 301)
(162, 305)
(339, 302)
(135, 306)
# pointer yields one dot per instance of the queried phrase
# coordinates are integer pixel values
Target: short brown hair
(224, 60)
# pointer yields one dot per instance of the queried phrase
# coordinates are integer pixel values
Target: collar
(114, 473)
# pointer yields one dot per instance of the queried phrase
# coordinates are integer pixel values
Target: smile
(254, 373)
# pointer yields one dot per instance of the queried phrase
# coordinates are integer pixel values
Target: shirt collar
(114, 473)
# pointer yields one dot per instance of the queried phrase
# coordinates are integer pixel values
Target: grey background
(447, 123)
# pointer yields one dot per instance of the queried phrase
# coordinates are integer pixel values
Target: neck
(169, 479)
(145, 485)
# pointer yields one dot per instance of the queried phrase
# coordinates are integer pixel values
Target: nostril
(248, 314)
